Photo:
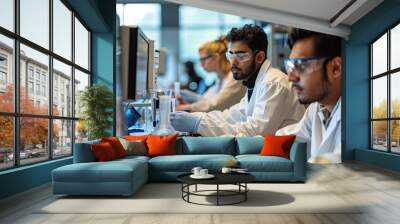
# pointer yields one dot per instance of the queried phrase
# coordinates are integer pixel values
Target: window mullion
(50, 81)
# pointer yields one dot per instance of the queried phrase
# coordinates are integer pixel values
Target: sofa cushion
(257, 163)
(161, 145)
(83, 152)
(116, 145)
(249, 145)
(206, 145)
(185, 163)
(112, 171)
(277, 145)
(103, 152)
(134, 147)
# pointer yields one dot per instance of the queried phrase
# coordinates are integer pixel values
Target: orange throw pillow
(161, 145)
(116, 145)
(277, 145)
(136, 137)
(103, 152)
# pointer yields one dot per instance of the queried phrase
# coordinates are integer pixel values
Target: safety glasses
(204, 59)
(239, 56)
(302, 66)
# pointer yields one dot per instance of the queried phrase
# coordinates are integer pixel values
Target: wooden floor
(377, 188)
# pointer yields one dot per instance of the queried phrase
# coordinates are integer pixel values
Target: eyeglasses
(239, 56)
(203, 59)
(301, 66)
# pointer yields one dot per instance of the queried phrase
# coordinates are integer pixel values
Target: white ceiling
(327, 16)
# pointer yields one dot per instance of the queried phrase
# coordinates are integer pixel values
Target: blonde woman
(226, 92)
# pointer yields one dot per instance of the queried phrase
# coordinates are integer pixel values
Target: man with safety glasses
(269, 104)
(315, 69)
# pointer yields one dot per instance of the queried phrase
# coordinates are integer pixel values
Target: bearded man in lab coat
(315, 69)
(269, 103)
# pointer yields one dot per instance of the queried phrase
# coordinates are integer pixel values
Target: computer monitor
(134, 52)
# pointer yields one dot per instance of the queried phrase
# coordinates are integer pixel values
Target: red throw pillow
(116, 145)
(103, 151)
(277, 145)
(161, 145)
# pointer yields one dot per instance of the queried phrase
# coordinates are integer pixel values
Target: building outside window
(385, 94)
(30, 87)
(34, 77)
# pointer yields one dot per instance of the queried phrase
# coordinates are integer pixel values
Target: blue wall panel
(24, 178)
(356, 93)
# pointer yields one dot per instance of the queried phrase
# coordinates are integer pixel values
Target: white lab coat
(220, 96)
(324, 144)
(273, 105)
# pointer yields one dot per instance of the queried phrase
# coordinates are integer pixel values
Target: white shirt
(220, 96)
(273, 105)
(325, 142)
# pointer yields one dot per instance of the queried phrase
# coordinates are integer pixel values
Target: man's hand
(184, 121)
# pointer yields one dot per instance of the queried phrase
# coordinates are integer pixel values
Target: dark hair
(324, 44)
(191, 72)
(254, 36)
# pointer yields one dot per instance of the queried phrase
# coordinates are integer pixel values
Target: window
(38, 89)
(385, 96)
(45, 131)
(43, 90)
(198, 26)
(30, 72)
(3, 78)
(146, 16)
(7, 14)
(30, 87)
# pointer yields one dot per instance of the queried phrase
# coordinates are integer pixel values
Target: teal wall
(99, 16)
(356, 92)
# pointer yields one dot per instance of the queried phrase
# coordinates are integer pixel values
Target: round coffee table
(238, 179)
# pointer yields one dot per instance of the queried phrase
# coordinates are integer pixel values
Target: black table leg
(217, 194)
(245, 193)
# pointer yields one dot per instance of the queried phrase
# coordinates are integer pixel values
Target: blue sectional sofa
(125, 176)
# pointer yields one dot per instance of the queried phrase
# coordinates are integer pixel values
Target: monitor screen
(142, 64)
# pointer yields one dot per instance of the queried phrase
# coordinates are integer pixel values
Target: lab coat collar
(263, 71)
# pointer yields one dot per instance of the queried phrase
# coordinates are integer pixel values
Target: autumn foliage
(33, 131)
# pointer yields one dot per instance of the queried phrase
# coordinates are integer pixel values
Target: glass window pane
(6, 142)
(81, 131)
(395, 136)
(189, 16)
(379, 135)
(34, 96)
(379, 56)
(62, 29)
(395, 47)
(62, 89)
(120, 13)
(33, 139)
(6, 74)
(7, 14)
(81, 45)
(395, 95)
(192, 39)
(62, 141)
(81, 81)
(235, 21)
(35, 21)
(379, 98)
(143, 15)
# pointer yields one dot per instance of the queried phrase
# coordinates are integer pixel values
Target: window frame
(16, 115)
(388, 74)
